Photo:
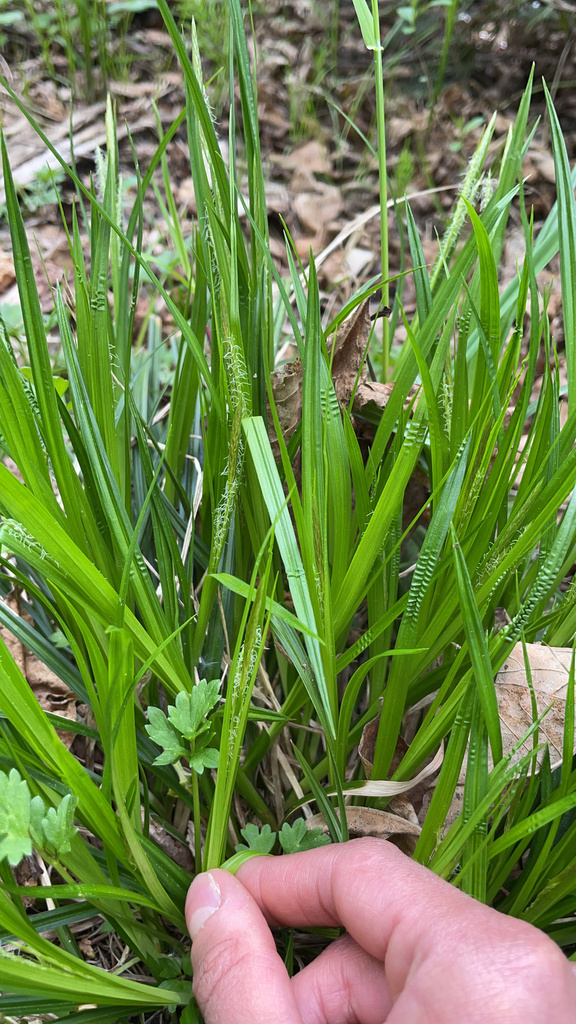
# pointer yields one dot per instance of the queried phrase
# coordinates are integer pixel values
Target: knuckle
(529, 959)
(543, 955)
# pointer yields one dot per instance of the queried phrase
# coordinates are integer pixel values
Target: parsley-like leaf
(206, 758)
(37, 814)
(15, 842)
(170, 756)
(261, 840)
(58, 824)
(295, 838)
(165, 735)
(190, 710)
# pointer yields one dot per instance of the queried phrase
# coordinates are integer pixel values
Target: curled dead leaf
(347, 351)
(368, 743)
(371, 393)
(419, 787)
(383, 787)
(348, 347)
(287, 391)
(367, 821)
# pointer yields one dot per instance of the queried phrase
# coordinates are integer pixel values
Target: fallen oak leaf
(287, 391)
(347, 352)
(550, 671)
(369, 821)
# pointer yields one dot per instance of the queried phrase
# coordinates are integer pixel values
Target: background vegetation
(225, 557)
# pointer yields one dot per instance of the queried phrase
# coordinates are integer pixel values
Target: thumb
(238, 975)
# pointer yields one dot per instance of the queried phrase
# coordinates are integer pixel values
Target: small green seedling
(185, 732)
(259, 840)
(293, 838)
(297, 837)
(25, 823)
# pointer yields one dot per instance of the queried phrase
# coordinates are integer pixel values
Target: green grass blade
(420, 272)
(261, 452)
(479, 653)
(566, 243)
(355, 583)
(45, 392)
(475, 789)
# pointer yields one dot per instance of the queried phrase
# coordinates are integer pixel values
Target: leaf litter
(318, 187)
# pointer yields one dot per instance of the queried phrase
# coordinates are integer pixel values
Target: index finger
(370, 888)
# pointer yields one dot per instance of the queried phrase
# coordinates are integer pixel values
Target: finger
(238, 975)
(344, 985)
(526, 984)
(366, 885)
(449, 947)
(373, 890)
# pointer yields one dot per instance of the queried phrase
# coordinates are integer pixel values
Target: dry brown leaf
(7, 275)
(349, 367)
(550, 669)
(368, 743)
(174, 848)
(349, 345)
(51, 693)
(28, 871)
(454, 810)
(367, 821)
(347, 351)
(404, 808)
(371, 392)
(317, 206)
(311, 157)
(317, 209)
(287, 391)
(384, 787)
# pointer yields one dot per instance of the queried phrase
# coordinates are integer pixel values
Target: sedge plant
(231, 612)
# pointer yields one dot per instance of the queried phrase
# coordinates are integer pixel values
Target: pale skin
(416, 949)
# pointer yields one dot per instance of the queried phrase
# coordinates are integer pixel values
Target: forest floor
(316, 107)
(315, 101)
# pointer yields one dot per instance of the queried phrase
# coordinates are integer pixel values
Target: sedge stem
(381, 143)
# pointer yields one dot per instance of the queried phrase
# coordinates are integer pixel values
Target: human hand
(416, 949)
